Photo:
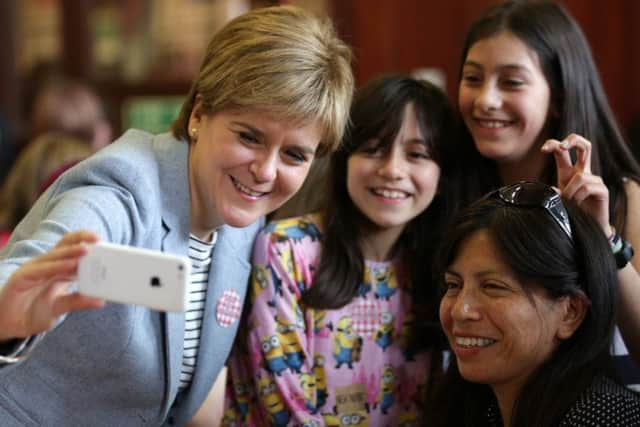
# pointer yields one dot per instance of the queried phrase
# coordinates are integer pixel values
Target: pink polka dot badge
(366, 317)
(228, 308)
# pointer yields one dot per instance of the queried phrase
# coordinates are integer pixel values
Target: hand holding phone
(132, 275)
(36, 294)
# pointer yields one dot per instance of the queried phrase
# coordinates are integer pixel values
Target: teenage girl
(534, 109)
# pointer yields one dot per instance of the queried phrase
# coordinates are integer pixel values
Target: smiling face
(499, 333)
(504, 99)
(243, 165)
(392, 185)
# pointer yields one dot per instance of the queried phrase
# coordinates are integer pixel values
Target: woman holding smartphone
(244, 141)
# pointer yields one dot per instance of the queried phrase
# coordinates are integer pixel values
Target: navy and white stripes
(200, 255)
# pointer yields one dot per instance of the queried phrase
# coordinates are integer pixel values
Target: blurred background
(139, 56)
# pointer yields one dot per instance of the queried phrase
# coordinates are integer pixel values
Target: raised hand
(576, 181)
(38, 292)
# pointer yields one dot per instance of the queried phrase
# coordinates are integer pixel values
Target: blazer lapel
(229, 272)
(176, 221)
(173, 324)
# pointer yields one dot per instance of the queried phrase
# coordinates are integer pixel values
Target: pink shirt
(349, 366)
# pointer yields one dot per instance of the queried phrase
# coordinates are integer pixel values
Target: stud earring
(194, 133)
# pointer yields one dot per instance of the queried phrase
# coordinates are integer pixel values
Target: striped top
(200, 255)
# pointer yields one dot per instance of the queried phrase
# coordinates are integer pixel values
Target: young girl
(528, 309)
(532, 101)
(330, 329)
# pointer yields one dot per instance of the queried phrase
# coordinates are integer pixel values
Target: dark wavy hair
(576, 94)
(377, 112)
(541, 255)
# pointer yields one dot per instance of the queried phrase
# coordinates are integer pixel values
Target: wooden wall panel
(612, 29)
(10, 101)
(401, 35)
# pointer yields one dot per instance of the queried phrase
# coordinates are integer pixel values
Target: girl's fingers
(566, 170)
(590, 191)
(591, 194)
(583, 151)
(581, 182)
(560, 152)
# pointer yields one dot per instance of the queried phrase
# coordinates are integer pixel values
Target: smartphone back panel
(131, 275)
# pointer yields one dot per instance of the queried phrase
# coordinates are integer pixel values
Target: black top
(605, 403)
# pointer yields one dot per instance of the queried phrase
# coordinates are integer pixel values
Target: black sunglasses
(535, 194)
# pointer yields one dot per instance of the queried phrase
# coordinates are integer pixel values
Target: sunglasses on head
(535, 194)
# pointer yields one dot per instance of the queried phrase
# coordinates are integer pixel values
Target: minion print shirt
(346, 367)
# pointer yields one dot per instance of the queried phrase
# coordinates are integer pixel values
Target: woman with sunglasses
(534, 109)
(529, 309)
(331, 333)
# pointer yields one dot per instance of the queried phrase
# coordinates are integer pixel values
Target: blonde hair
(37, 162)
(281, 60)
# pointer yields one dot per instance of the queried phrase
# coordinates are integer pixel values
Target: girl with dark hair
(528, 309)
(331, 326)
(534, 109)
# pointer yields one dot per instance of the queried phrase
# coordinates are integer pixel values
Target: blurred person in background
(37, 166)
(69, 106)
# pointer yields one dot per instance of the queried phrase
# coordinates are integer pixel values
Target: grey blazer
(120, 365)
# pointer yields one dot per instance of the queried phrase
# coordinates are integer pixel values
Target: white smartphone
(132, 275)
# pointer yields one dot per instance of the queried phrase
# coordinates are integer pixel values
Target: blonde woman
(273, 92)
